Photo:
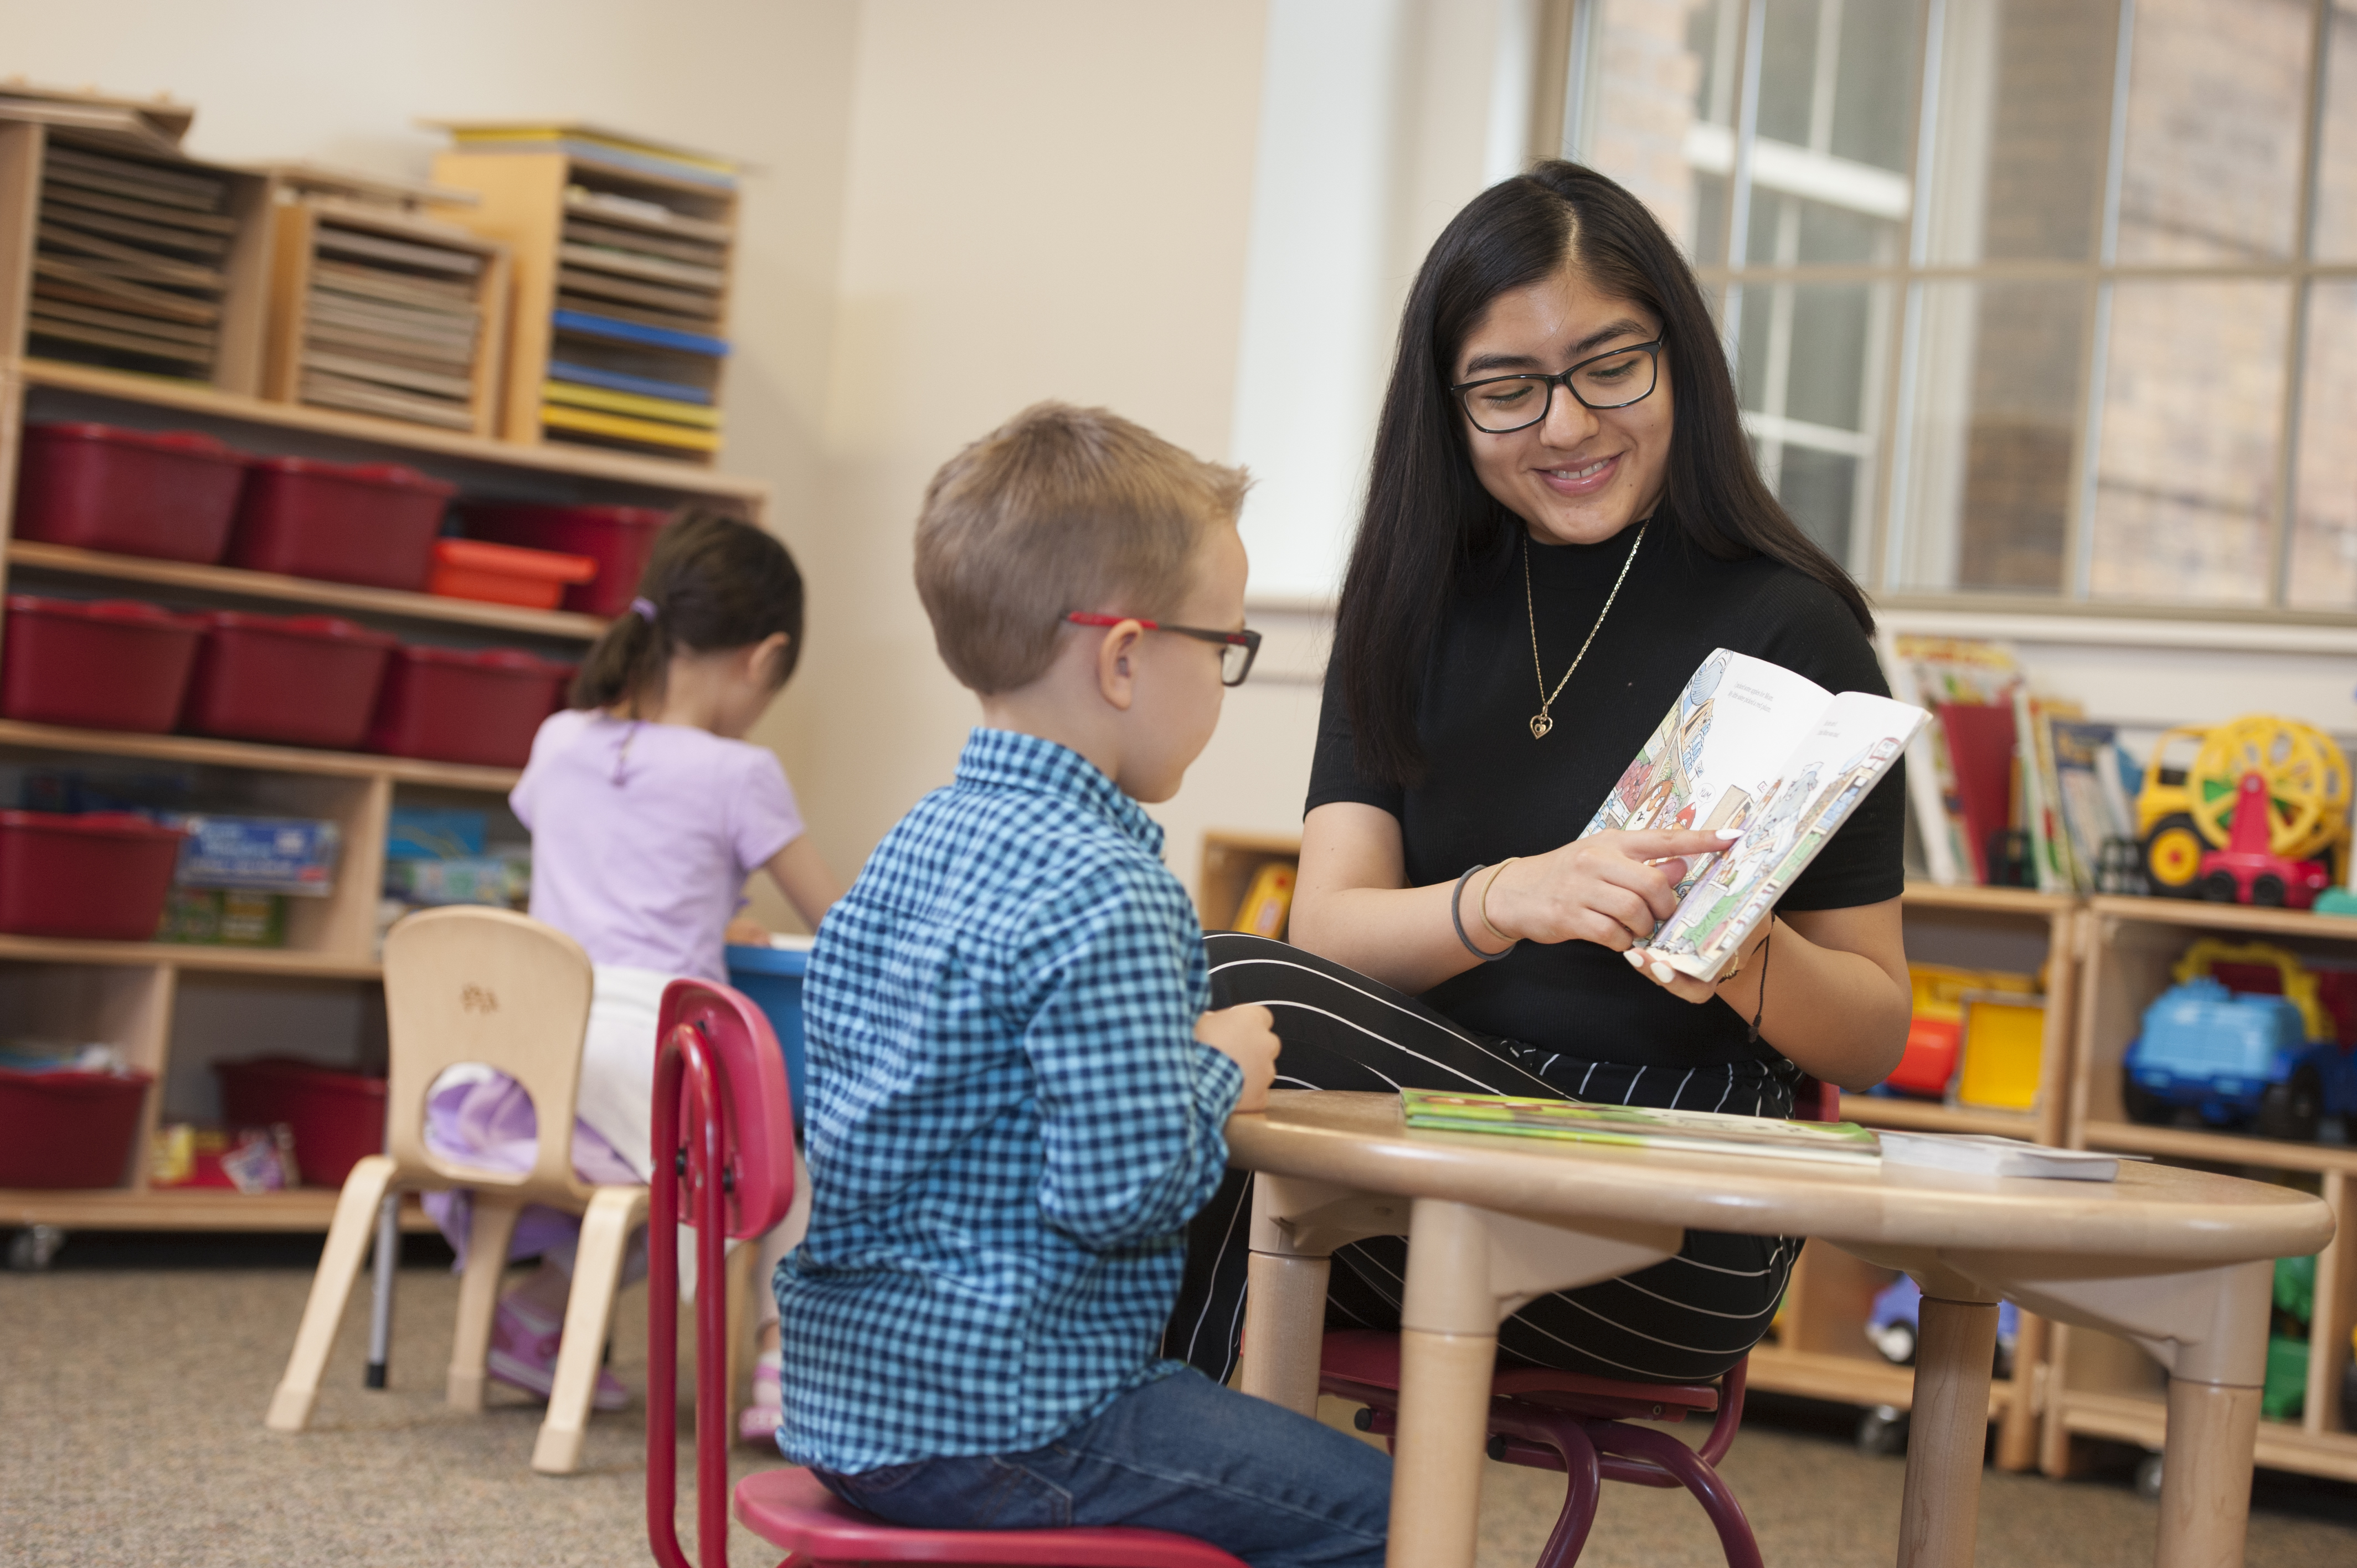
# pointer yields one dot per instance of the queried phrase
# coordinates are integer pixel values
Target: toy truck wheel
(1882, 1431)
(2172, 856)
(2292, 1109)
(2267, 890)
(2142, 1104)
(2219, 887)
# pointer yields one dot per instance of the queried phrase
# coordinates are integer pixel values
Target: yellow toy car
(2185, 813)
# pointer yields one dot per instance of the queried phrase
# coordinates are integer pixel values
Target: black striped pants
(1685, 1319)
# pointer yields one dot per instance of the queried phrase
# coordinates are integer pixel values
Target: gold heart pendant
(1540, 725)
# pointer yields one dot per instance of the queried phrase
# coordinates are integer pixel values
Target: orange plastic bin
(505, 575)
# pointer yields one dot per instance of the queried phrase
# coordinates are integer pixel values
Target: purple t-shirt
(643, 835)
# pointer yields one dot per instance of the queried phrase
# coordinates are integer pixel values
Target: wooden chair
(463, 985)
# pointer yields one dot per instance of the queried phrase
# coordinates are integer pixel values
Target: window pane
(2335, 169)
(2215, 122)
(1810, 376)
(2186, 481)
(1998, 396)
(2018, 170)
(2324, 522)
(1836, 90)
(1820, 490)
(1657, 74)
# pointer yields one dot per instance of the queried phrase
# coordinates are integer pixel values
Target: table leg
(2205, 1474)
(1285, 1328)
(1955, 1342)
(1466, 1270)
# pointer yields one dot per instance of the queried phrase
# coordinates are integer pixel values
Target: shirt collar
(1004, 759)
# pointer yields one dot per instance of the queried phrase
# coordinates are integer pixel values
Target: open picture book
(1750, 745)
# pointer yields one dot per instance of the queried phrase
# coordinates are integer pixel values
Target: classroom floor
(135, 1374)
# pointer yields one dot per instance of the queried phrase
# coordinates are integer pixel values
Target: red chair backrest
(724, 1162)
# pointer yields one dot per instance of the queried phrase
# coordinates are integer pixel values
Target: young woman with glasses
(1564, 520)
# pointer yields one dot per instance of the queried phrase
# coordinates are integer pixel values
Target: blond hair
(1061, 509)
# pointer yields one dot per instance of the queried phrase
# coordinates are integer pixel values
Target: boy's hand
(1245, 1036)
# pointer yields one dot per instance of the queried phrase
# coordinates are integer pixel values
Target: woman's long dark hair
(712, 583)
(1429, 520)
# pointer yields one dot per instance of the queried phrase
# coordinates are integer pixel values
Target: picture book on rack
(1750, 745)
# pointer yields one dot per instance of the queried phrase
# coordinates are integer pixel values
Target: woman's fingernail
(1636, 957)
(1662, 972)
(1731, 832)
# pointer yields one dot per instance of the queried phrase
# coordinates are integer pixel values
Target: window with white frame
(2046, 300)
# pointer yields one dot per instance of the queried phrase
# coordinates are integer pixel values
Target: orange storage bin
(505, 575)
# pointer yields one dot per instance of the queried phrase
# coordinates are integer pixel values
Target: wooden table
(2179, 1261)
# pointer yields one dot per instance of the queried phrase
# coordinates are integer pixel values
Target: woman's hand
(1611, 888)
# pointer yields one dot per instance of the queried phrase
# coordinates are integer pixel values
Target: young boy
(1017, 1094)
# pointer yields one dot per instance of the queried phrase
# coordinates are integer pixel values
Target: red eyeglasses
(1237, 648)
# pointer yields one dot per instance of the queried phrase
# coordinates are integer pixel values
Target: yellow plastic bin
(2005, 1049)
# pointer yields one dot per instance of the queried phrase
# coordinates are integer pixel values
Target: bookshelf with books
(623, 254)
(119, 253)
(377, 308)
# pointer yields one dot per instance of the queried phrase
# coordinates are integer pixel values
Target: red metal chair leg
(1662, 1450)
(1566, 1436)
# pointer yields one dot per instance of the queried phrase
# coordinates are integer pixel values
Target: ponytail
(712, 583)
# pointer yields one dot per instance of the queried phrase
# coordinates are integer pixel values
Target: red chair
(1579, 1425)
(723, 1128)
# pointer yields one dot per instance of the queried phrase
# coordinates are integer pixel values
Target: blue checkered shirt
(1010, 1120)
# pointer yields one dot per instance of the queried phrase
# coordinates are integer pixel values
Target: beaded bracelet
(1457, 920)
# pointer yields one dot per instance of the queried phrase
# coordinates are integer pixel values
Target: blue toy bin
(772, 978)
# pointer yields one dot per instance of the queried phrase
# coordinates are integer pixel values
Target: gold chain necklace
(1542, 721)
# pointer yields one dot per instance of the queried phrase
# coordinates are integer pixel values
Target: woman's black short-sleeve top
(1489, 790)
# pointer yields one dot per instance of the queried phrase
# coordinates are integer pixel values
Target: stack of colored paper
(391, 325)
(128, 268)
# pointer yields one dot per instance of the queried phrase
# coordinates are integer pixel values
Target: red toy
(723, 1128)
(2247, 870)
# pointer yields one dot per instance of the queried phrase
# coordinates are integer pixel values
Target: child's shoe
(524, 1356)
(758, 1421)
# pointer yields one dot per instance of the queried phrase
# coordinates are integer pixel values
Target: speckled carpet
(134, 1375)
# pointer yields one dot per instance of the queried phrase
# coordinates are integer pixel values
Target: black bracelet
(1457, 920)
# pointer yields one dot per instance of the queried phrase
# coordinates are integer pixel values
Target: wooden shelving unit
(2102, 1387)
(144, 997)
(233, 314)
(619, 268)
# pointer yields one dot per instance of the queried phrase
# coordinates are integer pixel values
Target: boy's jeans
(1182, 1454)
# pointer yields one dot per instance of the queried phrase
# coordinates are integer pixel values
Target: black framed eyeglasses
(1500, 405)
(1237, 648)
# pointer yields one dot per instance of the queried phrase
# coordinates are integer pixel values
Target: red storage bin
(337, 1117)
(110, 664)
(450, 706)
(137, 492)
(101, 876)
(371, 523)
(505, 573)
(68, 1128)
(617, 538)
(304, 680)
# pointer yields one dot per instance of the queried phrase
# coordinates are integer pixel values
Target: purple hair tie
(644, 609)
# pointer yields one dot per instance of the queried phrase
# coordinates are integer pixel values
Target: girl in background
(648, 812)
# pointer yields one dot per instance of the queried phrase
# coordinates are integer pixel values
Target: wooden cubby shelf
(230, 582)
(171, 1008)
(204, 751)
(649, 478)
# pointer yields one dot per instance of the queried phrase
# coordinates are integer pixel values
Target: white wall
(1044, 199)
